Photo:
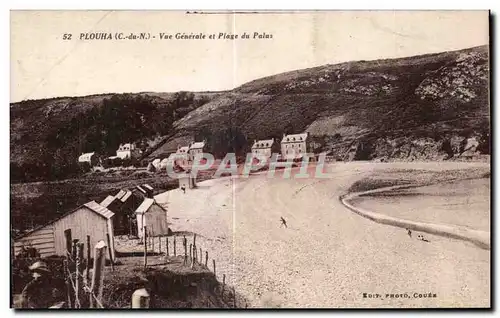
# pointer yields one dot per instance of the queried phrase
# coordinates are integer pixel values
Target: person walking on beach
(283, 222)
(183, 188)
(409, 232)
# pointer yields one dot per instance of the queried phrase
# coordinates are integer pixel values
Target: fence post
(140, 298)
(206, 258)
(175, 249)
(145, 247)
(88, 258)
(78, 276)
(201, 257)
(68, 241)
(223, 284)
(185, 251)
(195, 250)
(166, 242)
(69, 288)
(234, 297)
(215, 273)
(110, 253)
(97, 274)
(73, 250)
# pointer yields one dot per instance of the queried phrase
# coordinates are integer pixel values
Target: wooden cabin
(89, 219)
(121, 223)
(153, 216)
(130, 201)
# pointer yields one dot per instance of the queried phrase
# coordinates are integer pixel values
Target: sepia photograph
(250, 160)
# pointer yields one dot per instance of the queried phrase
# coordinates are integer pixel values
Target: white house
(181, 157)
(263, 147)
(90, 158)
(294, 146)
(128, 150)
(196, 148)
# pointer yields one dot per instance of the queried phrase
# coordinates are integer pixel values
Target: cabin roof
(197, 145)
(145, 205)
(140, 188)
(99, 209)
(107, 202)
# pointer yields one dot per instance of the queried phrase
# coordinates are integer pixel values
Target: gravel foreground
(327, 256)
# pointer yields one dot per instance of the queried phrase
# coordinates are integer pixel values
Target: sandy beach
(327, 256)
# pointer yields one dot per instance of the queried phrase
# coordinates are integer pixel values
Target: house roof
(184, 149)
(141, 189)
(85, 156)
(126, 196)
(106, 202)
(92, 205)
(147, 186)
(294, 138)
(120, 194)
(197, 145)
(128, 145)
(145, 205)
(266, 143)
(99, 209)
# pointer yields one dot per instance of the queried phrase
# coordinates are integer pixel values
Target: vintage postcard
(223, 159)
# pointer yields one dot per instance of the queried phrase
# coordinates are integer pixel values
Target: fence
(83, 292)
(194, 256)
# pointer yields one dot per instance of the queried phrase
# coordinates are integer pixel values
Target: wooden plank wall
(42, 239)
(82, 222)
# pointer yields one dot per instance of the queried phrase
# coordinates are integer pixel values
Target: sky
(44, 65)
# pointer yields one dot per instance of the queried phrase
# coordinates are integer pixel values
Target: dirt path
(328, 256)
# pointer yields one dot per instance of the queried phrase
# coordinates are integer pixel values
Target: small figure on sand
(422, 238)
(409, 232)
(283, 222)
(183, 188)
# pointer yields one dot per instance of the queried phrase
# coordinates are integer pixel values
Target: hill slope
(424, 107)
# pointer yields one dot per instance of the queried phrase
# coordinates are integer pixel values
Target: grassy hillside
(47, 136)
(422, 107)
(383, 104)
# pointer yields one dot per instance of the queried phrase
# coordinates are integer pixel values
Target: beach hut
(51, 239)
(153, 216)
